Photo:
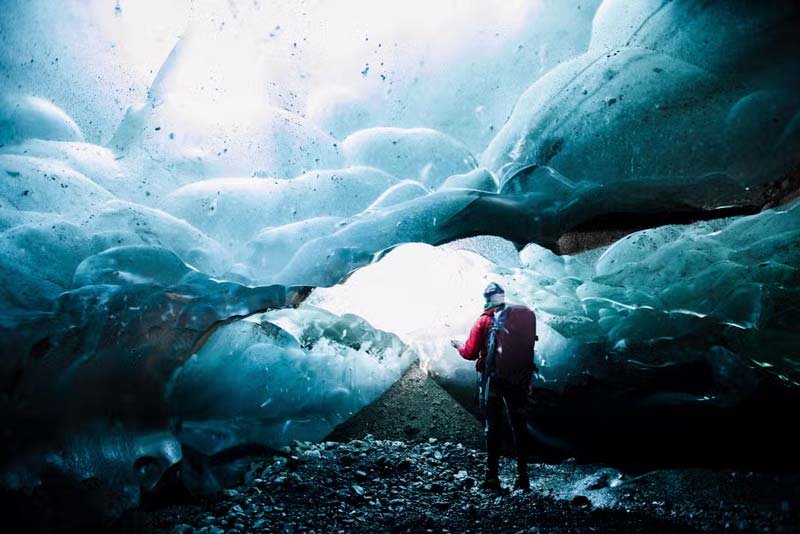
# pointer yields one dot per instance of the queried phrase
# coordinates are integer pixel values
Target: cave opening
(235, 232)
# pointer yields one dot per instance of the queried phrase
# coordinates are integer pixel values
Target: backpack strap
(498, 320)
(497, 325)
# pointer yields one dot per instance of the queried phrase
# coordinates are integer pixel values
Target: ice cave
(232, 225)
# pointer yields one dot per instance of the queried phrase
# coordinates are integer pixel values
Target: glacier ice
(495, 249)
(40, 258)
(470, 84)
(697, 284)
(31, 117)
(326, 260)
(11, 217)
(117, 464)
(117, 223)
(581, 117)
(173, 186)
(727, 38)
(700, 284)
(259, 203)
(86, 375)
(400, 192)
(420, 154)
(166, 145)
(135, 264)
(272, 248)
(656, 100)
(45, 185)
(164, 136)
(339, 111)
(478, 179)
(96, 163)
(282, 375)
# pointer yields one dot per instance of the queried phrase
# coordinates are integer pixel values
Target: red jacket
(475, 347)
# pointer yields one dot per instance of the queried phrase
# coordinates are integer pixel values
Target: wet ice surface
(282, 375)
(188, 187)
(707, 285)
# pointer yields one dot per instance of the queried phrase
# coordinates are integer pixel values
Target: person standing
(501, 342)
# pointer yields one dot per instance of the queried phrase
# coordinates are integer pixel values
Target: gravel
(370, 485)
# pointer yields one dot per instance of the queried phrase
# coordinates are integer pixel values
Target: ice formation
(263, 203)
(30, 117)
(655, 297)
(426, 295)
(168, 202)
(282, 375)
(420, 154)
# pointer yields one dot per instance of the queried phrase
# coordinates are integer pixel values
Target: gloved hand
(455, 344)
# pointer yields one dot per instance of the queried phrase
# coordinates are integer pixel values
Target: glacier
(220, 226)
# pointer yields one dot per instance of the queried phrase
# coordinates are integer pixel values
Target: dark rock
(414, 407)
(581, 501)
(437, 494)
(410, 431)
(437, 487)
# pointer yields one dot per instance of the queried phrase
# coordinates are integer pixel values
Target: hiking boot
(522, 483)
(491, 481)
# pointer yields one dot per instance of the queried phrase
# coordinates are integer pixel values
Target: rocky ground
(374, 485)
(415, 408)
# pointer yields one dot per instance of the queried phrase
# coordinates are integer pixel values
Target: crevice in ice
(646, 20)
(608, 228)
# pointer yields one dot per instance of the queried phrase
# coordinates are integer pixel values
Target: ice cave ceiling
(348, 184)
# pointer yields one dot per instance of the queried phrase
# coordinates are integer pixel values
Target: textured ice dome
(239, 222)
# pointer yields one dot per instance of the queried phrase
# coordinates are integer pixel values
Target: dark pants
(513, 398)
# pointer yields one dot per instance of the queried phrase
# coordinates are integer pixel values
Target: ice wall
(646, 120)
(147, 359)
(282, 375)
(713, 292)
(667, 92)
(346, 67)
(168, 169)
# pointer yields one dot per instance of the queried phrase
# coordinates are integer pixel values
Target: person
(501, 342)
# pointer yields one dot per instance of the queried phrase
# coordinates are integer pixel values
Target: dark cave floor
(379, 485)
(421, 472)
